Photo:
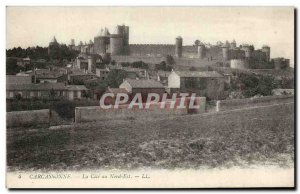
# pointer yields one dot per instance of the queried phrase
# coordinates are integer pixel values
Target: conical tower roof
(54, 40)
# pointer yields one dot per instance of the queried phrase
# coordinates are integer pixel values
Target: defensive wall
(188, 51)
(131, 59)
(223, 105)
(151, 49)
(96, 113)
(239, 64)
(186, 62)
(28, 118)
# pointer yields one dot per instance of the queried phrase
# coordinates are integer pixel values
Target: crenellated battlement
(155, 45)
(118, 45)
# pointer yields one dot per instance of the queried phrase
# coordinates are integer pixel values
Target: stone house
(115, 92)
(162, 76)
(51, 77)
(102, 73)
(143, 86)
(14, 79)
(45, 90)
(204, 83)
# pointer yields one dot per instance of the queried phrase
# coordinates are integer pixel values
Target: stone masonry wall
(28, 118)
(96, 113)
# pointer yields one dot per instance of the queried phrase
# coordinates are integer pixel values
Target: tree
(18, 96)
(64, 108)
(100, 65)
(106, 58)
(287, 83)
(86, 94)
(57, 52)
(115, 78)
(11, 66)
(52, 93)
(163, 66)
(170, 60)
(197, 42)
(113, 62)
(258, 85)
(78, 82)
(140, 64)
(266, 85)
(125, 64)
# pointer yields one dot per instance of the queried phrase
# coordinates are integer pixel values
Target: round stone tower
(116, 44)
(100, 44)
(225, 52)
(201, 51)
(178, 47)
(281, 63)
(233, 44)
(248, 50)
(266, 49)
(123, 31)
(53, 47)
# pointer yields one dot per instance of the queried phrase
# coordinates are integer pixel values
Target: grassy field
(237, 138)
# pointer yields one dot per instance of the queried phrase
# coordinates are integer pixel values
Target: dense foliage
(163, 66)
(136, 64)
(253, 85)
(31, 52)
(170, 60)
(39, 57)
(34, 53)
(115, 78)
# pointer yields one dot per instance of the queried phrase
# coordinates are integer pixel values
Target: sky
(274, 26)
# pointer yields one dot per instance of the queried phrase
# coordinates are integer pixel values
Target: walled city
(62, 77)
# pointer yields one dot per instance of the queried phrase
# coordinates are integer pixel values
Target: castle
(105, 42)
(117, 45)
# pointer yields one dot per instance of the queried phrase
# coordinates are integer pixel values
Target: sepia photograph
(150, 97)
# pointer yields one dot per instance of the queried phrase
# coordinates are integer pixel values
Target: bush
(287, 83)
(163, 66)
(253, 85)
(170, 60)
(140, 64)
(115, 78)
(64, 108)
(18, 96)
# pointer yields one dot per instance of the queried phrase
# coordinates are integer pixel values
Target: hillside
(235, 138)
